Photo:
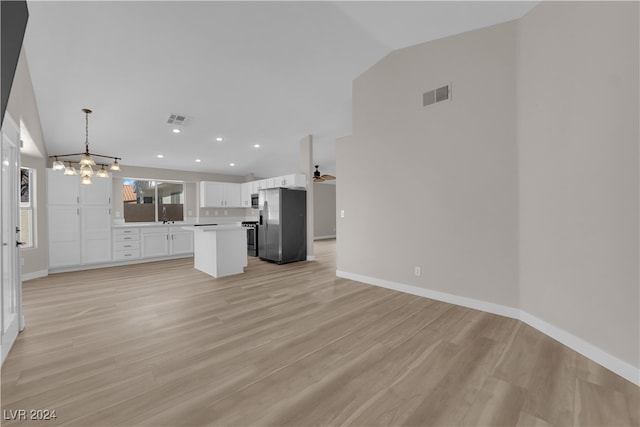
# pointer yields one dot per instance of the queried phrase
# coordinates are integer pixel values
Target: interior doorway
(11, 320)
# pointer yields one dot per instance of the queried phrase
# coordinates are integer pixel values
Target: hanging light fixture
(102, 173)
(58, 165)
(86, 159)
(70, 170)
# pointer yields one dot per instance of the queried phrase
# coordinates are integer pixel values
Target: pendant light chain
(86, 159)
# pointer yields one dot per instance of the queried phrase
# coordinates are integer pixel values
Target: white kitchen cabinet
(220, 195)
(155, 242)
(95, 229)
(64, 235)
(245, 193)
(293, 180)
(261, 185)
(98, 193)
(180, 242)
(165, 241)
(232, 195)
(62, 189)
(79, 220)
(126, 243)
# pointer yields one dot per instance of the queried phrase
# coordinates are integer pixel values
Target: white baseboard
(489, 307)
(311, 257)
(331, 236)
(34, 275)
(588, 350)
(601, 357)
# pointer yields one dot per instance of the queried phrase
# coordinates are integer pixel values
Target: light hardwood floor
(161, 344)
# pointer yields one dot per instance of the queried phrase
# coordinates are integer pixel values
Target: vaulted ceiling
(250, 73)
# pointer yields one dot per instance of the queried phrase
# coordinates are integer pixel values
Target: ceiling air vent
(176, 119)
(436, 95)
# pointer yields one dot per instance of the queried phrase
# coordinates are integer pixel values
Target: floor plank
(162, 344)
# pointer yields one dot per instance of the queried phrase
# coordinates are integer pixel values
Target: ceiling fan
(317, 177)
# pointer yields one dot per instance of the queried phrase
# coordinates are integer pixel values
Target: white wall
(435, 187)
(521, 194)
(578, 139)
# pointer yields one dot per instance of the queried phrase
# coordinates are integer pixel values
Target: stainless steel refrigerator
(282, 226)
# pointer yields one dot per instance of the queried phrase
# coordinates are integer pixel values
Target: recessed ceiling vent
(436, 95)
(176, 119)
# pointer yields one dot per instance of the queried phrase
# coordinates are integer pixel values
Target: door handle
(19, 243)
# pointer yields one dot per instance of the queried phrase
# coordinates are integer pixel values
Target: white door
(11, 294)
(64, 235)
(181, 242)
(96, 233)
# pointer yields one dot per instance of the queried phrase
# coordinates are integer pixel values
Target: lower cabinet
(64, 236)
(166, 241)
(95, 223)
(126, 244)
(155, 242)
(181, 242)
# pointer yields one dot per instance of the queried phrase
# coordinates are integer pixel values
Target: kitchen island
(219, 250)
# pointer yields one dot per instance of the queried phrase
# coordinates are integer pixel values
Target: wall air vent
(176, 119)
(436, 95)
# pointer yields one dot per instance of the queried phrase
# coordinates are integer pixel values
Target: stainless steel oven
(252, 237)
(254, 201)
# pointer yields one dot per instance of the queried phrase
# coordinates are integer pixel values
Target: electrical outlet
(225, 212)
(417, 271)
(342, 213)
(206, 213)
(117, 214)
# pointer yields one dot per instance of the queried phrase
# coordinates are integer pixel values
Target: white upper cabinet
(292, 180)
(98, 193)
(62, 189)
(231, 195)
(245, 194)
(220, 195)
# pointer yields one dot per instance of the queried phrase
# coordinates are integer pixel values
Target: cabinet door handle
(78, 211)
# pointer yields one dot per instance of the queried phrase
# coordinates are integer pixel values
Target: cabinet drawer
(126, 231)
(126, 245)
(126, 238)
(125, 255)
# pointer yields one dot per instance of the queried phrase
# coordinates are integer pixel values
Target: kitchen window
(148, 200)
(27, 187)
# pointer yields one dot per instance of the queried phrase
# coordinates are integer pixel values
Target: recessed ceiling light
(256, 145)
(198, 160)
(176, 130)
(232, 164)
(219, 139)
(160, 156)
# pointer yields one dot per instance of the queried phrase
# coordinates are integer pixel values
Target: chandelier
(86, 160)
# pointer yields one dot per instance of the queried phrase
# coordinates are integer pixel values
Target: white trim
(601, 357)
(598, 355)
(489, 307)
(34, 275)
(311, 257)
(331, 236)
